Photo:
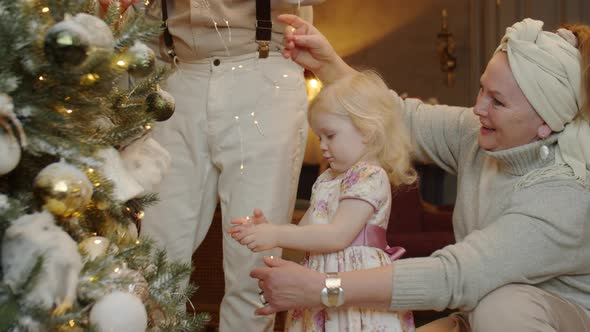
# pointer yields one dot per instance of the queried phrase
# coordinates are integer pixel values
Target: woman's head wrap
(547, 68)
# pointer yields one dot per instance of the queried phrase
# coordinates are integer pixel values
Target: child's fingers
(252, 246)
(247, 240)
(235, 229)
(257, 213)
(240, 221)
(238, 236)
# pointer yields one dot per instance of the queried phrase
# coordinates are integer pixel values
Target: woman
(522, 215)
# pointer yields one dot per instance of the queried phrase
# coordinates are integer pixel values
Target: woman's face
(507, 118)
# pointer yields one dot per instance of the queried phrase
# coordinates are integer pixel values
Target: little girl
(366, 147)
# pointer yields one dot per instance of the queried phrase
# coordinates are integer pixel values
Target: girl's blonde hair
(582, 32)
(367, 101)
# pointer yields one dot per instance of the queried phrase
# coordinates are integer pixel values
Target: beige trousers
(518, 308)
(237, 137)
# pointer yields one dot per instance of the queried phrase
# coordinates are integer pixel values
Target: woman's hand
(309, 48)
(287, 285)
(255, 233)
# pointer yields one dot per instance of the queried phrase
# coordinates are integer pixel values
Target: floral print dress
(369, 183)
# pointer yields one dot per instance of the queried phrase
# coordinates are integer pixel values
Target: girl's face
(506, 116)
(342, 144)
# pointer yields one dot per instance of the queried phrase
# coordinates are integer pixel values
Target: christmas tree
(76, 168)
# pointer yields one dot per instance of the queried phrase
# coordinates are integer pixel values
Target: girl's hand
(256, 233)
(261, 237)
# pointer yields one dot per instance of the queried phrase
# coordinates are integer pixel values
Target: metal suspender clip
(263, 45)
(263, 27)
(168, 41)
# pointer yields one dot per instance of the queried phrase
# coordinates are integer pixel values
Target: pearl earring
(544, 152)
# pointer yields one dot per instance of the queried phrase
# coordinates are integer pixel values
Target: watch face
(332, 280)
(332, 294)
(332, 283)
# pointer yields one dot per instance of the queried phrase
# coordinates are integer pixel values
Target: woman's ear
(544, 131)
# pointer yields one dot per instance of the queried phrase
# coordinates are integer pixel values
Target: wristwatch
(332, 295)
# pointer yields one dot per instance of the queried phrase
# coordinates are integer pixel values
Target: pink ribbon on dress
(375, 236)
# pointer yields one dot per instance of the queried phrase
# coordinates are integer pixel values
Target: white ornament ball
(119, 312)
(100, 34)
(143, 60)
(95, 246)
(10, 152)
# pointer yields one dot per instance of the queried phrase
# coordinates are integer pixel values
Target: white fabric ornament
(147, 161)
(12, 135)
(126, 187)
(118, 312)
(30, 237)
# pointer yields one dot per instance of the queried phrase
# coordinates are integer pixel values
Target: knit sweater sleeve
(438, 132)
(543, 234)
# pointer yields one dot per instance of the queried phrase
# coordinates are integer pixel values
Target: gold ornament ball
(94, 246)
(62, 189)
(161, 104)
(123, 234)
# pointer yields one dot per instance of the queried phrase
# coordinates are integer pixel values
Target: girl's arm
(350, 217)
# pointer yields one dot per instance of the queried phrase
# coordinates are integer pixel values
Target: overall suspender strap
(263, 27)
(168, 41)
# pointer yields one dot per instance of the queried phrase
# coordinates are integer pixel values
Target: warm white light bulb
(313, 83)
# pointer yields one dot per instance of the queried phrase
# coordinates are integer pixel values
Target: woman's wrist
(313, 289)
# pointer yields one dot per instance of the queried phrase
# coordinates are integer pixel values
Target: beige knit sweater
(512, 222)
